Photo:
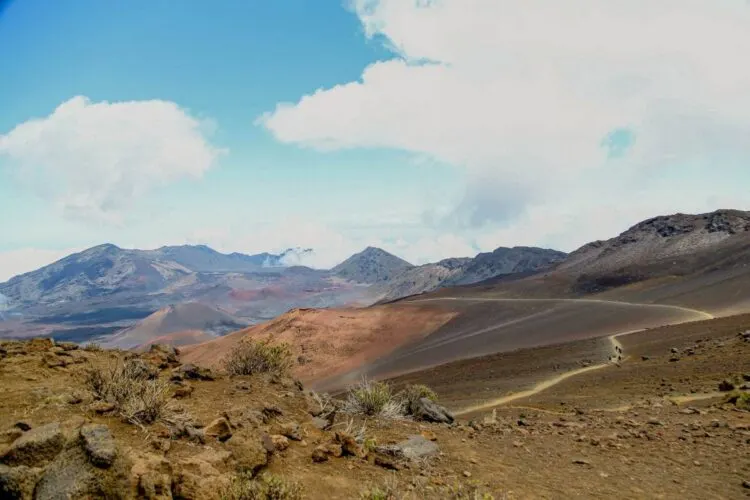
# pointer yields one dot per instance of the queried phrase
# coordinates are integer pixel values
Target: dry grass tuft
(250, 357)
(137, 398)
(373, 399)
(265, 487)
(419, 490)
(92, 347)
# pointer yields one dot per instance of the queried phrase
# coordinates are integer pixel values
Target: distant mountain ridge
(667, 245)
(106, 288)
(107, 269)
(466, 271)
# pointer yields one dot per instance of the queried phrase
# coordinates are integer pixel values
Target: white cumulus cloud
(93, 158)
(528, 97)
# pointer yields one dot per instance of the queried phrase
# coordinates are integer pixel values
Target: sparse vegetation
(325, 402)
(265, 487)
(250, 357)
(739, 399)
(387, 491)
(471, 491)
(127, 385)
(373, 399)
(411, 394)
(391, 490)
(92, 347)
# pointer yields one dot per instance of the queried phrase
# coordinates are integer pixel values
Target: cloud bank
(554, 109)
(92, 159)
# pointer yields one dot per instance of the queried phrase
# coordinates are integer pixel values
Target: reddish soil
(331, 341)
(178, 339)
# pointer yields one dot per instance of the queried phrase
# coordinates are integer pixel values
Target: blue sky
(419, 129)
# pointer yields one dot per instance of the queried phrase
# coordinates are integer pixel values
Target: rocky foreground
(66, 434)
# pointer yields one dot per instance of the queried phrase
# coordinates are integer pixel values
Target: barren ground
(624, 431)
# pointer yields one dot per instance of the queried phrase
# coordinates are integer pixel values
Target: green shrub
(250, 357)
(265, 487)
(373, 399)
(739, 399)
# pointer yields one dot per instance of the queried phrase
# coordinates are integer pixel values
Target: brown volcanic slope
(484, 326)
(332, 341)
(179, 324)
(665, 270)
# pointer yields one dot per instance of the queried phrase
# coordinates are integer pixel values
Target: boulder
(291, 430)
(72, 476)
(726, 386)
(429, 411)
(36, 447)
(219, 429)
(324, 451)
(241, 416)
(417, 447)
(198, 480)
(193, 372)
(99, 444)
(249, 455)
(349, 445)
(275, 442)
(320, 454)
(17, 483)
(152, 477)
(102, 407)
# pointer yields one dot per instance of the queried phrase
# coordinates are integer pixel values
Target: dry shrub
(250, 357)
(420, 490)
(411, 394)
(388, 491)
(265, 487)
(92, 347)
(126, 384)
(373, 399)
(471, 491)
(326, 404)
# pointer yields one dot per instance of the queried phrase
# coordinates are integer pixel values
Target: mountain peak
(103, 248)
(371, 265)
(671, 244)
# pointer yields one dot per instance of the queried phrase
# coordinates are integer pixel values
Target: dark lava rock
(99, 444)
(429, 411)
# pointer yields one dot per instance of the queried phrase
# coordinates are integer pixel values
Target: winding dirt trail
(546, 384)
(697, 312)
(530, 392)
(617, 351)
